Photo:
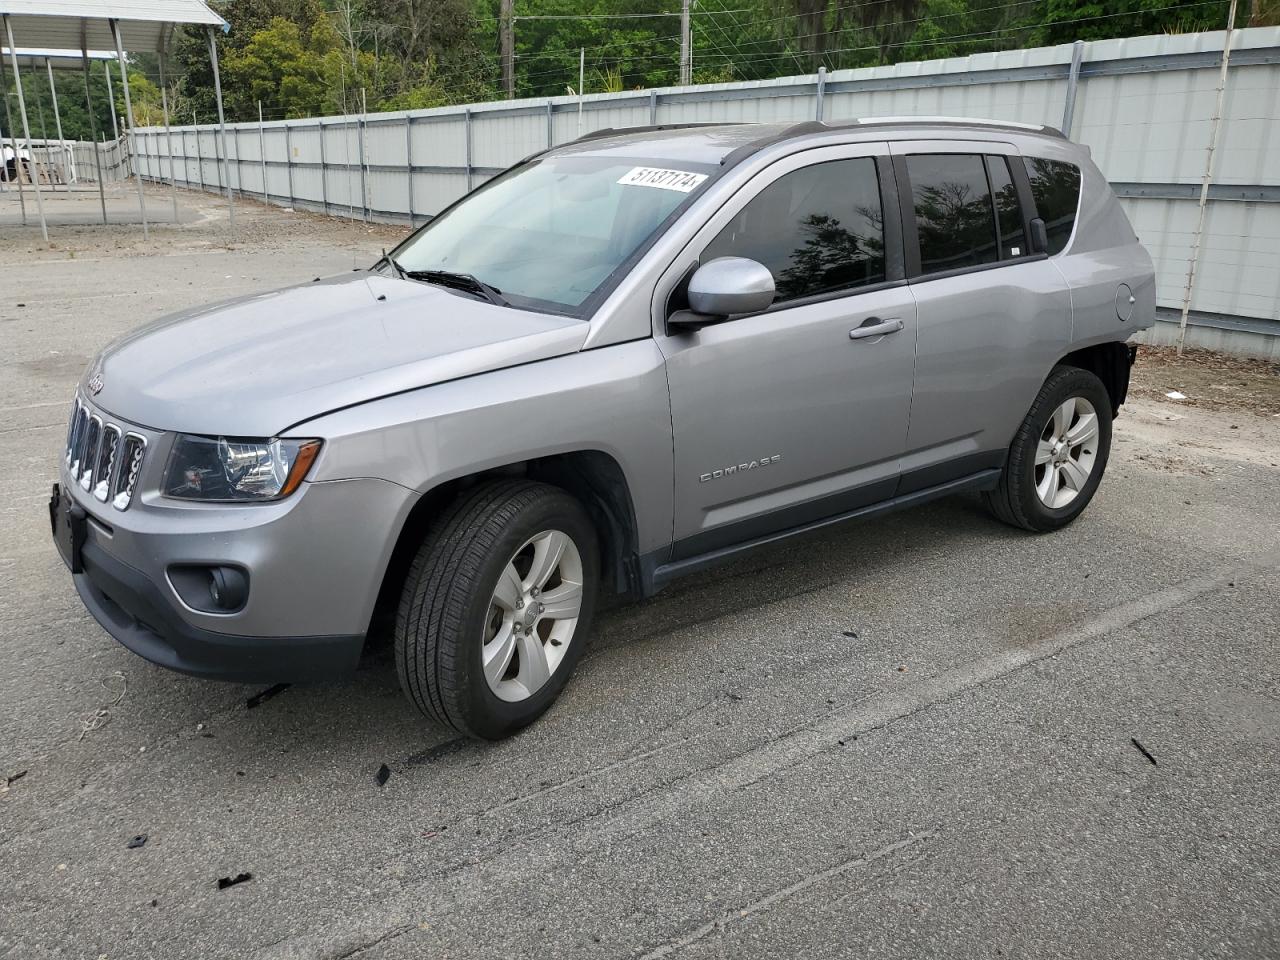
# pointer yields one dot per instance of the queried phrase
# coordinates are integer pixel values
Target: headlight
(215, 468)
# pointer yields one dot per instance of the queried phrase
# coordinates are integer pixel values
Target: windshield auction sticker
(679, 180)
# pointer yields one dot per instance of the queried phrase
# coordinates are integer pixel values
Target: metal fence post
(466, 115)
(408, 162)
(288, 158)
(262, 153)
(653, 108)
(1073, 80)
(364, 180)
(324, 170)
(1214, 126)
(195, 127)
(822, 91)
(551, 126)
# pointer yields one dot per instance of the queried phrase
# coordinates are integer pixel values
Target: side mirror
(1039, 236)
(726, 287)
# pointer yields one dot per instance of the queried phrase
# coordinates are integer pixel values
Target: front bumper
(135, 611)
(314, 564)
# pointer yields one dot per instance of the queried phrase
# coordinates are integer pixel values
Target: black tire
(446, 602)
(1014, 500)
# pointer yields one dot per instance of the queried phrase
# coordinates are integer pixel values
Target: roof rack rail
(651, 128)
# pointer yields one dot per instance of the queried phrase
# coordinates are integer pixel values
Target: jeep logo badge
(95, 384)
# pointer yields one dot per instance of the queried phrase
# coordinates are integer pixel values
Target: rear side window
(818, 230)
(954, 215)
(1055, 186)
(1013, 242)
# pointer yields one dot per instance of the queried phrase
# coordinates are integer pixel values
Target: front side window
(550, 234)
(955, 219)
(1055, 186)
(819, 229)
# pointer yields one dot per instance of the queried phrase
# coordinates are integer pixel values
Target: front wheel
(1058, 455)
(496, 607)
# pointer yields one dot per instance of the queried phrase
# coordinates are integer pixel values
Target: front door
(798, 413)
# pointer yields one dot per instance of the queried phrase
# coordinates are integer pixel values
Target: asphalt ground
(925, 735)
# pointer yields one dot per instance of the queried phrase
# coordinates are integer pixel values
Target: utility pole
(506, 43)
(686, 47)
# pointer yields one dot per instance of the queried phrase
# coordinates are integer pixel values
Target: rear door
(782, 418)
(992, 317)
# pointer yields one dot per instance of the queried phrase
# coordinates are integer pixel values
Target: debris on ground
(265, 695)
(224, 882)
(102, 716)
(1208, 379)
(851, 634)
(11, 780)
(136, 842)
(1144, 751)
(1176, 395)
(383, 775)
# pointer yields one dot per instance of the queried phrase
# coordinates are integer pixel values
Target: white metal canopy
(74, 24)
(35, 59)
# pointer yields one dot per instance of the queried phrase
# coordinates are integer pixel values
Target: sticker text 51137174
(682, 181)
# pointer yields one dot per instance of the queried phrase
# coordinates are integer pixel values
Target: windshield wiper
(460, 281)
(391, 262)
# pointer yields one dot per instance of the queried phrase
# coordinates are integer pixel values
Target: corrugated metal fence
(1144, 105)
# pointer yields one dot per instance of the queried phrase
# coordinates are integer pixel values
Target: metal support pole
(44, 135)
(262, 153)
(57, 122)
(1205, 180)
(364, 167)
(466, 116)
(1073, 80)
(582, 75)
(324, 171)
(93, 130)
(551, 125)
(288, 156)
(653, 108)
(822, 92)
(26, 127)
(686, 52)
(222, 126)
(111, 99)
(408, 162)
(199, 158)
(506, 45)
(13, 141)
(168, 142)
(128, 121)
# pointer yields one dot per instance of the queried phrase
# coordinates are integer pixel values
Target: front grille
(104, 458)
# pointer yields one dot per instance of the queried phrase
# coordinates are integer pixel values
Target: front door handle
(875, 327)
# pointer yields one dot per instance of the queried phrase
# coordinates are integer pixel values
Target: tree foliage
(313, 57)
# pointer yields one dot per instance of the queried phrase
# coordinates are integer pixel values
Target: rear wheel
(496, 607)
(1058, 455)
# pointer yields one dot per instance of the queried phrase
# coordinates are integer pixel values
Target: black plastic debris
(224, 882)
(851, 634)
(265, 695)
(383, 775)
(137, 841)
(1144, 751)
(10, 781)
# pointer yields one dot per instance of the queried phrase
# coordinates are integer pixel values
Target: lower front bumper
(131, 608)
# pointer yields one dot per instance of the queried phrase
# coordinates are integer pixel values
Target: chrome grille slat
(104, 458)
(104, 470)
(91, 442)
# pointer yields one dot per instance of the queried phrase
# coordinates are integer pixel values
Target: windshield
(551, 233)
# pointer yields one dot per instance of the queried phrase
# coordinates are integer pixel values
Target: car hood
(254, 366)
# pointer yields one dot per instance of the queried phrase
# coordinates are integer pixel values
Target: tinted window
(1008, 210)
(954, 217)
(818, 229)
(1056, 188)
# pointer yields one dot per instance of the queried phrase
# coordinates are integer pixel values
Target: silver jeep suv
(622, 360)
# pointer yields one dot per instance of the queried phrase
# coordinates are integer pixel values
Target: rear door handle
(875, 327)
